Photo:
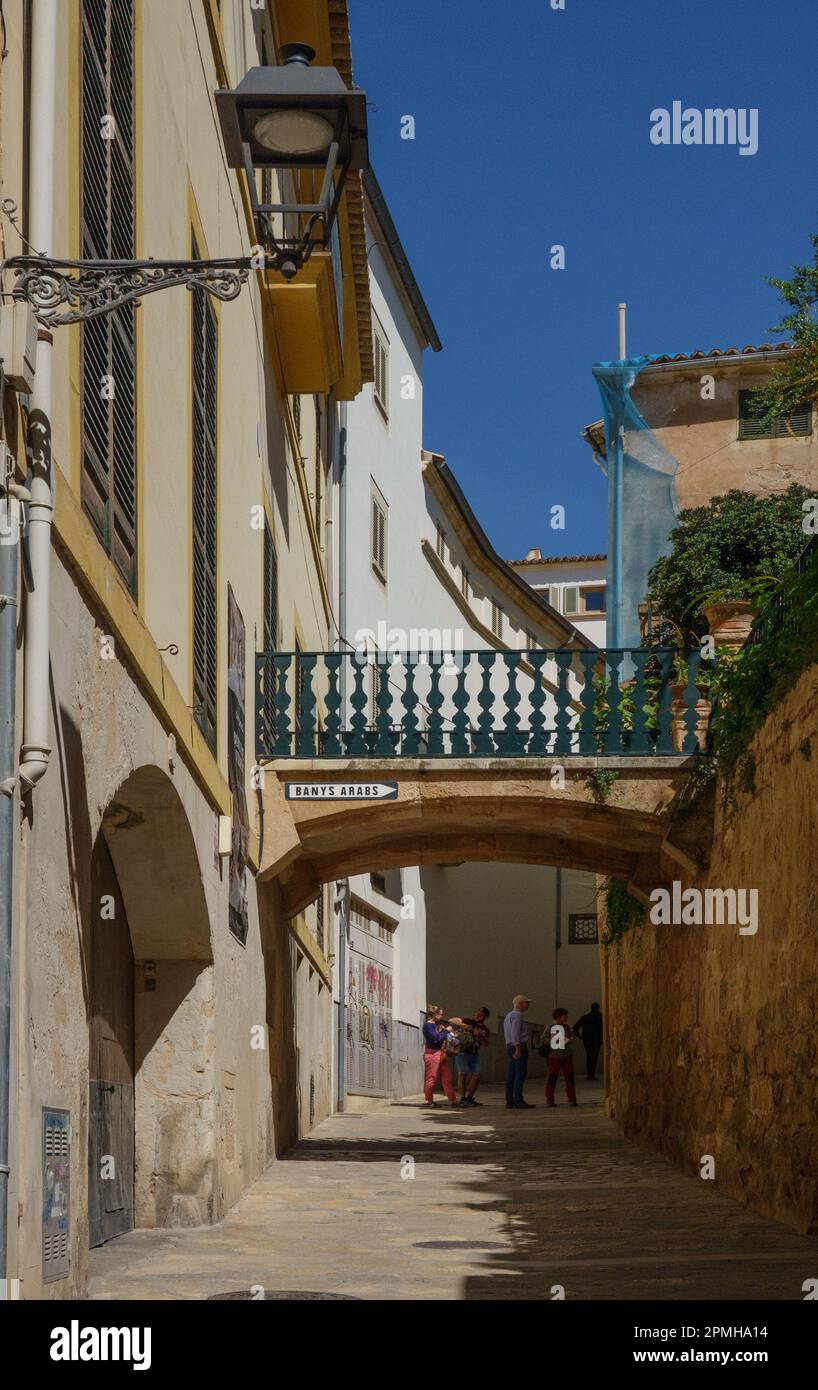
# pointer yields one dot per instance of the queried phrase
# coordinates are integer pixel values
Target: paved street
(503, 1204)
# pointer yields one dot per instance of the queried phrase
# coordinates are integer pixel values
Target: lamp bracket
(91, 289)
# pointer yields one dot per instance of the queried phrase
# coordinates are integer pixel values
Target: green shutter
(108, 232)
(749, 427)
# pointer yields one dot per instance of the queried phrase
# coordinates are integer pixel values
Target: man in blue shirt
(515, 1032)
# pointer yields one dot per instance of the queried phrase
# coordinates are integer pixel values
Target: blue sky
(532, 129)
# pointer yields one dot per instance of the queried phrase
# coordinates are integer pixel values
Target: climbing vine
(746, 686)
(622, 910)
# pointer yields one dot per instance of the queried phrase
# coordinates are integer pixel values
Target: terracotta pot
(730, 622)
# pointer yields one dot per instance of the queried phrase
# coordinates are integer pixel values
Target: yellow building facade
(171, 1029)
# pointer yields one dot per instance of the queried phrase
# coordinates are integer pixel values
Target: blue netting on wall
(647, 497)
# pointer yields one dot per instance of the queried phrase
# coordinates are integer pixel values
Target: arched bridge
(568, 758)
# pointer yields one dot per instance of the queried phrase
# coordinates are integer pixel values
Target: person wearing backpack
(557, 1047)
(437, 1040)
(471, 1035)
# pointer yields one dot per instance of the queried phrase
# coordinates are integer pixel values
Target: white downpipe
(36, 749)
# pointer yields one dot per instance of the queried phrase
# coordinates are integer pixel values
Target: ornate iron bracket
(94, 288)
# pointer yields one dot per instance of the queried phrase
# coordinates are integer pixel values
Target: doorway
(111, 1119)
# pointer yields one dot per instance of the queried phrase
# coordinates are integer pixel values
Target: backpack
(545, 1049)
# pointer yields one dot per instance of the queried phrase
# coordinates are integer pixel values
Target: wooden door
(369, 1027)
(111, 1056)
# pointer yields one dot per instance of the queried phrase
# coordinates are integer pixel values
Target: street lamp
(303, 124)
(299, 121)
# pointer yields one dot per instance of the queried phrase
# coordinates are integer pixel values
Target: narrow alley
(502, 1205)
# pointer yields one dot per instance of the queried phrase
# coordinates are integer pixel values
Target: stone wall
(712, 1040)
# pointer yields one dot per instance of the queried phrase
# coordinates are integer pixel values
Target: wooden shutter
(379, 538)
(381, 382)
(270, 624)
(750, 427)
(205, 416)
(318, 468)
(108, 233)
(270, 592)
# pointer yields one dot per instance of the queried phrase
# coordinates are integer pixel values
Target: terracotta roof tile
(723, 352)
(557, 560)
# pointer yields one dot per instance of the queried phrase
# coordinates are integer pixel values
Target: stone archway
(448, 812)
(151, 846)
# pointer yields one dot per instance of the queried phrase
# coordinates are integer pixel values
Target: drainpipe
(343, 915)
(557, 935)
(614, 638)
(8, 805)
(342, 888)
(35, 736)
(36, 749)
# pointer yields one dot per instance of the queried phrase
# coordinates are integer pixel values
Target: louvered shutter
(108, 233)
(205, 414)
(270, 592)
(378, 537)
(270, 620)
(799, 423)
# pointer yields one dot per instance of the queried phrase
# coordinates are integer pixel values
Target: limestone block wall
(211, 1104)
(712, 1037)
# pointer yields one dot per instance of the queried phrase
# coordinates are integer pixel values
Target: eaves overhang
(450, 494)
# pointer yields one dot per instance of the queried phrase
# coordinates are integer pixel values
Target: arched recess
(153, 852)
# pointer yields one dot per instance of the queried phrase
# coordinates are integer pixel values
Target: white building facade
(420, 575)
(575, 585)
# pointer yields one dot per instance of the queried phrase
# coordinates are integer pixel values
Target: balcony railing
(478, 704)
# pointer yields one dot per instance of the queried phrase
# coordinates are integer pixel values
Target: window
(799, 423)
(381, 353)
(593, 600)
(368, 919)
(378, 533)
(440, 541)
(319, 918)
(270, 626)
(496, 618)
(204, 358)
(544, 592)
(582, 929)
(464, 582)
(319, 464)
(378, 882)
(270, 591)
(108, 409)
(570, 599)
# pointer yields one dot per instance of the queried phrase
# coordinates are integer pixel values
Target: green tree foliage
(795, 380)
(737, 547)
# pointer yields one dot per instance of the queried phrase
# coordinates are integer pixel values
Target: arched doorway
(152, 1101)
(110, 1056)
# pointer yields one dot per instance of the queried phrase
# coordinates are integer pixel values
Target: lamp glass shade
(293, 133)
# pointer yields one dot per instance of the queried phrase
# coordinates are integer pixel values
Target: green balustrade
(539, 704)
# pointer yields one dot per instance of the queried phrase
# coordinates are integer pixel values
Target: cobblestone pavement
(503, 1204)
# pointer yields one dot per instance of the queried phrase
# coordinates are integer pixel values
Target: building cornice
(390, 244)
(482, 554)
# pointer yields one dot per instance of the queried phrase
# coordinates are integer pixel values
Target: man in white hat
(515, 1031)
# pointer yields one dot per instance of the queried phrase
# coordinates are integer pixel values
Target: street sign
(341, 791)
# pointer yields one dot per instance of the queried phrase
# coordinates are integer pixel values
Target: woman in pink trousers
(435, 1061)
